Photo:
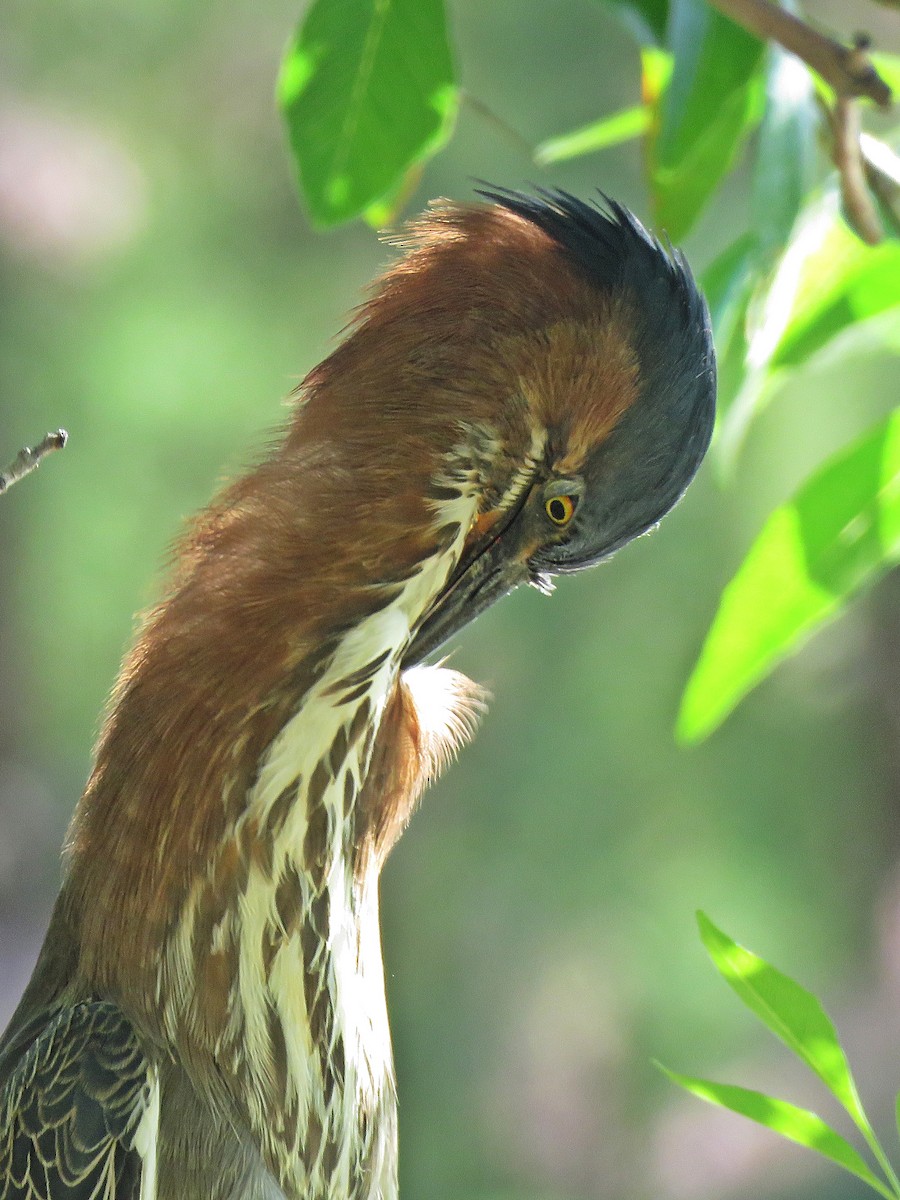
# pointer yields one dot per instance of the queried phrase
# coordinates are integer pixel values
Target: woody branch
(29, 458)
(851, 74)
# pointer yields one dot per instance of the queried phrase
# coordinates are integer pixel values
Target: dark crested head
(639, 471)
(614, 367)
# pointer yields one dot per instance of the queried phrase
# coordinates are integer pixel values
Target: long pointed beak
(492, 567)
(486, 578)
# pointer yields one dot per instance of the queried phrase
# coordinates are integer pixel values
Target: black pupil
(558, 510)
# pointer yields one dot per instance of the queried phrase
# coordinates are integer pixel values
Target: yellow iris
(560, 509)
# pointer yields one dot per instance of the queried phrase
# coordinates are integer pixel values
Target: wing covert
(78, 1114)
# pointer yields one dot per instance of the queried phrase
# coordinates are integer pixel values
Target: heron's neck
(289, 998)
(225, 856)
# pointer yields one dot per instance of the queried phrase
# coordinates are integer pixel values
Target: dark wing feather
(71, 1111)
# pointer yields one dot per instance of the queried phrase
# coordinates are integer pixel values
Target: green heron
(528, 388)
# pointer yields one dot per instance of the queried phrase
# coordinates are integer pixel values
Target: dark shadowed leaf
(797, 1124)
(728, 284)
(645, 18)
(812, 555)
(786, 151)
(367, 90)
(714, 97)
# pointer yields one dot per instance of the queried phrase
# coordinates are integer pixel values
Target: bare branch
(847, 154)
(29, 458)
(847, 69)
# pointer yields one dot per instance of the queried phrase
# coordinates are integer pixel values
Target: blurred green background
(160, 294)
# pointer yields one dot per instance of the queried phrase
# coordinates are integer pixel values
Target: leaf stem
(875, 1146)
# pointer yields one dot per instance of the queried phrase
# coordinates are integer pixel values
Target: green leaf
(796, 1124)
(826, 282)
(383, 213)
(728, 284)
(888, 67)
(786, 151)
(798, 1019)
(656, 71)
(713, 99)
(812, 555)
(827, 279)
(789, 1010)
(725, 283)
(645, 18)
(367, 89)
(842, 283)
(619, 127)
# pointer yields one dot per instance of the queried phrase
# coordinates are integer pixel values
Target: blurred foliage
(160, 292)
(796, 1017)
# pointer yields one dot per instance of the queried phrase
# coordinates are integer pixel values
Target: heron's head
(574, 353)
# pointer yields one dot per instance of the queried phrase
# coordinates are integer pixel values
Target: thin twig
(847, 154)
(29, 458)
(512, 135)
(846, 68)
(849, 71)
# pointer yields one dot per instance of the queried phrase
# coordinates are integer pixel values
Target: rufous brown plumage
(528, 387)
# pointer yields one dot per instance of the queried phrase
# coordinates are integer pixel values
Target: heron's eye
(561, 509)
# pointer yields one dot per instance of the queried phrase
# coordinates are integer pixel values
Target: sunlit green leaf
(656, 71)
(798, 1019)
(826, 282)
(789, 1010)
(713, 99)
(812, 555)
(843, 283)
(620, 127)
(797, 1124)
(367, 89)
(888, 67)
